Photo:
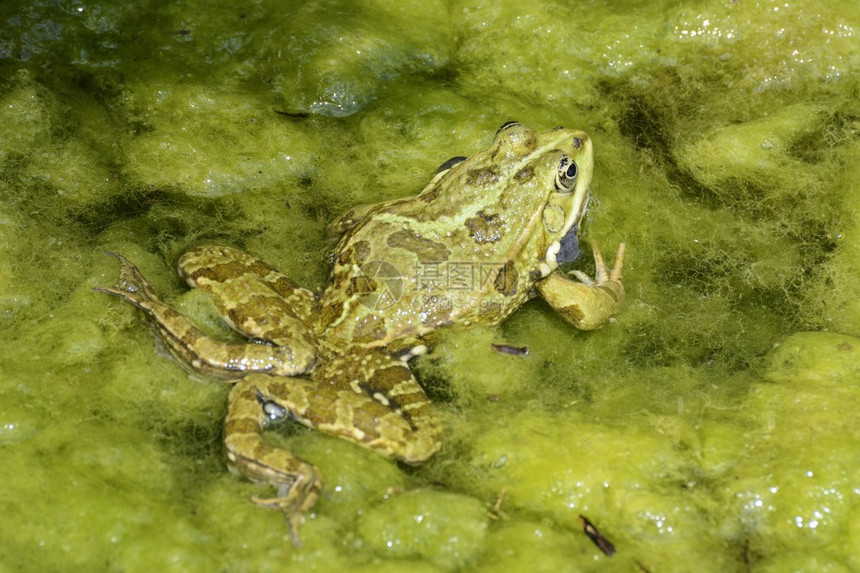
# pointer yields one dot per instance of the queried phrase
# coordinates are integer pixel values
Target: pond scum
(712, 427)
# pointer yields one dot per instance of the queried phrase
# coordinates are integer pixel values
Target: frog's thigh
(213, 267)
(379, 404)
(374, 402)
(244, 290)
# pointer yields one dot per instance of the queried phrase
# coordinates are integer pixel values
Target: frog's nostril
(577, 142)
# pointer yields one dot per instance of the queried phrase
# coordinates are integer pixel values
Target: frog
(487, 233)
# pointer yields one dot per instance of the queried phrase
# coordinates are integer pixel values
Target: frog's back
(399, 278)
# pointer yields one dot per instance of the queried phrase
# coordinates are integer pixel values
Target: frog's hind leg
(191, 346)
(254, 298)
(249, 411)
(371, 399)
(379, 406)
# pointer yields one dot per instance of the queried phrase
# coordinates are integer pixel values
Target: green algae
(446, 529)
(711, 427)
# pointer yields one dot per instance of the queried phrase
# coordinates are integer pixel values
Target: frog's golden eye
(565, 181)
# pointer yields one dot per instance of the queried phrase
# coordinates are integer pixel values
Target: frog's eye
(565, 181)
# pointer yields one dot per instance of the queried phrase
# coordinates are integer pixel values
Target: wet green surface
(711, 428)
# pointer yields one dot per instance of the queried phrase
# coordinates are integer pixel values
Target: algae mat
(710, 428)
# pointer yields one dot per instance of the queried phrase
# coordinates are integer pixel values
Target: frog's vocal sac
(486, 234)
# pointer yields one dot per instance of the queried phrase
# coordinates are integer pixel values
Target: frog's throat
(550, 262)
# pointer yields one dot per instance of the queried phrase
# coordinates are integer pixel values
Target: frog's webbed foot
(587, 304)
(294, 499)
(131, 285)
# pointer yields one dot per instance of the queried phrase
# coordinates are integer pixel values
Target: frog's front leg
(586, 304)
(194, 349)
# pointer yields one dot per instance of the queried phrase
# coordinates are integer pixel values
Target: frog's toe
(131, 285)
(602, 273)
(294, 499)
(615, 273)
(582, 277)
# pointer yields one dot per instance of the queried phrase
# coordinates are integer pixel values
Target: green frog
(487, 233)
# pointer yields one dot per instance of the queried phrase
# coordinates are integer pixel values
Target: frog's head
(520, 201)
(557, 166)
